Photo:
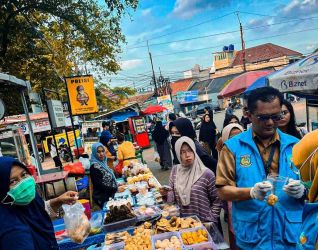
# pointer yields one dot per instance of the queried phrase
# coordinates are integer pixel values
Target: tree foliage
(44, 40)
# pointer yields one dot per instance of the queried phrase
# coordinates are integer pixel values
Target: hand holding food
(260, 189)
(272, 200)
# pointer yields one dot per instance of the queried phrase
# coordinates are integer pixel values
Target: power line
(186, 28)
(224, 33)
(218, 46)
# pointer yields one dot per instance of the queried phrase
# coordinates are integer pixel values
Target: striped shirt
(204, 201)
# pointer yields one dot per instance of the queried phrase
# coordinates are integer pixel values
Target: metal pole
(307, 115)
(153, 72)
(33, 142)
(71, 116)
(50, 121)
(242, 42)
(68, 142)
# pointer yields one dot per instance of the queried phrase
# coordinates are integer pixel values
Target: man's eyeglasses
(265, 118)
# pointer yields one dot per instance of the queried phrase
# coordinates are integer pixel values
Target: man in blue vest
(244, 165)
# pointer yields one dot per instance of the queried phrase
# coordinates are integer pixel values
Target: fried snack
(122, 188)
(139, 178)
(112, 238)
(175, 224)
(272, 200)
(141, 240)
(195, 237)
(79, 234)
(173, 243)
(119, 211)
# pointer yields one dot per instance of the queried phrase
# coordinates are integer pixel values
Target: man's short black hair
(105, 123)
(172, 116)
(264, 94)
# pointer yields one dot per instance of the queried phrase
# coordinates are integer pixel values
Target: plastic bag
(76, 222)
(156, 157)
(85, 161)
(96, 223)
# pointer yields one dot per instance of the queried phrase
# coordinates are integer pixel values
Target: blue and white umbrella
(300, 76)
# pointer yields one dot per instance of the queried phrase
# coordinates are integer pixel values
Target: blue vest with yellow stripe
(256, 224)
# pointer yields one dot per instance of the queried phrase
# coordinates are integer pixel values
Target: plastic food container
(201, 246)
(147, 215)
(117, 246)
(119, 225)
(164, 236)
(169, 210)
(278, 183)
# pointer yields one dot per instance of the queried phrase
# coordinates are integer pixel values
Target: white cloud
(297, 8)
(130, 64)
(189, 8)
(146, 12)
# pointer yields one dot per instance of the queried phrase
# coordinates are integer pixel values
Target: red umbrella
(152, 109)
(240, 83)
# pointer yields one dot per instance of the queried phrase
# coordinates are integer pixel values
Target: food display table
(137, 218)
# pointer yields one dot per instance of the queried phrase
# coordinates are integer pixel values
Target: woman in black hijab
(183, 127)
(160, 136)
(24, 221)
(208, 133)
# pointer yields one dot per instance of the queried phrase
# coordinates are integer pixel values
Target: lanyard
(268, 164)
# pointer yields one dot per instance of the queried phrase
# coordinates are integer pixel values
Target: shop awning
(240, 83)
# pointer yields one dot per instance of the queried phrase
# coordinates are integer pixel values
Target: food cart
(138, 130)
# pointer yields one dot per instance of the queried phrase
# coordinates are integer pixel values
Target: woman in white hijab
(193, 184)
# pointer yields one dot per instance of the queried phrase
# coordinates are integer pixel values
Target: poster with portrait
(81, 94)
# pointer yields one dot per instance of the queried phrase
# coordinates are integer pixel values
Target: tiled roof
(140, 98)
(180, 85)
(262, 52)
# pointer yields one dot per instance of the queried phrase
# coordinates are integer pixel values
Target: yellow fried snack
(272, 200)
(195, 237)
(141, 240)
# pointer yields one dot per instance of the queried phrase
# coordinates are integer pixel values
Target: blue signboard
(188, 96)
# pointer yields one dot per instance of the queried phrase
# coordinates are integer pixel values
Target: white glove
(294, 188)
(260, 189)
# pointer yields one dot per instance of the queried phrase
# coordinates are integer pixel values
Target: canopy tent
(240, 83)
(123, 116)
(300, 76)
(260, 82)
(152, 109)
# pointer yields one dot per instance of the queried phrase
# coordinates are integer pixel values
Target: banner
(81, 94)
(188, 96)
(56, 113)
(165, 101)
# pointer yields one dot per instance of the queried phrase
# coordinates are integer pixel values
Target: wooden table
(50, 179)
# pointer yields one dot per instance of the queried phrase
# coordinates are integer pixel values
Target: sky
(204, 27)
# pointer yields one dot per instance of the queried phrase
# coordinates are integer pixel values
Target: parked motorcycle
(65, 152)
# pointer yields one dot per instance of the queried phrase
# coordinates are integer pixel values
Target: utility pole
(153, 72)
(242, 42)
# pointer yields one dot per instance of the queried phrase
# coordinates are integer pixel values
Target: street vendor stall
(137, 218)
(10, 83)
(299, 78)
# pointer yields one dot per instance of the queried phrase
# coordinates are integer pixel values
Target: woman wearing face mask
(103, 178)
(207, 133)
(305, 159)
(25, 222)
(193, 184)
(183, 127)
(288, 122)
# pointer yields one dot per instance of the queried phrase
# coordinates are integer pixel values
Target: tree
(44, 40)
